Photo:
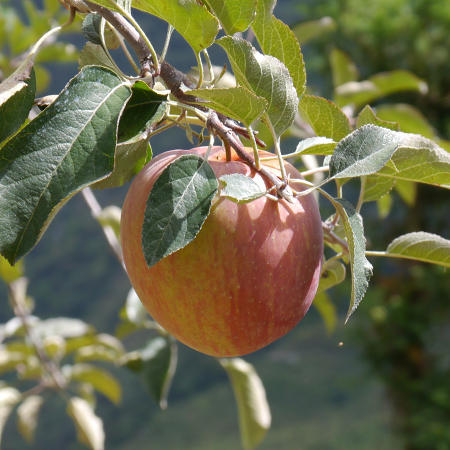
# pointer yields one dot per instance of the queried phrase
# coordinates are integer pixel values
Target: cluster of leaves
(96, 132)
(17, 35)
(68, 357)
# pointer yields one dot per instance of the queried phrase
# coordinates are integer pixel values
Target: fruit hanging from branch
(247, 278)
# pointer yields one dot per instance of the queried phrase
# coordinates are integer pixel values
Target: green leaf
(360, 266)
(9, 360)
(276, 39)
(421, 246)
(94, 55)
(409, 118)
(253, 409)
(266, 77)
(384, 205)
(136, 312)
(236, 102)
(95, 353)
(27, 416)
(110, 217)
(407, 191)
(16, 100)
(377, 187)
(129, 159)
(378, 86)
(156, 364)
(421, 160)
(315, 146)
(234, 15)
(324, 117)
(307, 31)
(9, 397)
(101, 380)
(189, 17)
(144, 108)
(10, 273)
(367, 116)
(67, 147)
(241, 189)
(342, 67)
(91, 28)
(333, 274)
(177, 207)
(65, 327)
(325, 307)
(363, 152)
(89, 426)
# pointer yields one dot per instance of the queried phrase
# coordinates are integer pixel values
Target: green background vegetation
(386, 387)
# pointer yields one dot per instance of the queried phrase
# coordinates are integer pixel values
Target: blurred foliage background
(387, 386)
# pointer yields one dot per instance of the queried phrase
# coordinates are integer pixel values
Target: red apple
(248, 277)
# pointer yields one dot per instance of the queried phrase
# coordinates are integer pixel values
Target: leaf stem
(166, 43)
(361, 194)
(125, 50)
(141, 32)
(255, 148)
(276, 143)
(200, 69)
(210, 66)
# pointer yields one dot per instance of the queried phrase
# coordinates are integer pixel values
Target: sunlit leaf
(65, 327)
(276, 39)
(136, 312)
(324, 117)
(367, 116)
(253, 409)
(241, 189)
(409, 118)
(343, 68)
(378, 86)
(89, 426)
(421, 246)
(333, 274)
(407, 191)
(377, 187)
(235, 102)
(266, 77)
(9, 397)
(27, 416)
(234, 15)
(315, 146)
(189, 17)
(101, 380)
(10, 273)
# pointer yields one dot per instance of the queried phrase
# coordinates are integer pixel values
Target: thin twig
(96, 209)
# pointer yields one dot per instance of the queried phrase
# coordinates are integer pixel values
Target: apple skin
(248, 277)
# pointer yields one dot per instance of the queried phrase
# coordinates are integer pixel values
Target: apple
(248, 277)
